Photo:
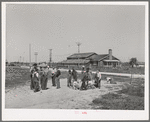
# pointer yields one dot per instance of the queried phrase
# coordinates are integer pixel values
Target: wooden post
(131, 78)
(30, 55)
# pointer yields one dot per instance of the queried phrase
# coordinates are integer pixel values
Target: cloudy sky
(59, 27)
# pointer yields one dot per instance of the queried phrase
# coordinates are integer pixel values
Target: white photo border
(57, 114)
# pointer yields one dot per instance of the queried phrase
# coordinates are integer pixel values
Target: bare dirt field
(52, 98)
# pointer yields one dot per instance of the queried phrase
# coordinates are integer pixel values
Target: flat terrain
(119, 95)
(52, 98)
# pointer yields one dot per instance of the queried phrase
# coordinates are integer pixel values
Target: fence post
(131, 78)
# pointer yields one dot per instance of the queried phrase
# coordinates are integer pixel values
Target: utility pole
(50, 57)
(36, 53)
(78, 44)
(20, 58)
(30, 54)
(23, 56)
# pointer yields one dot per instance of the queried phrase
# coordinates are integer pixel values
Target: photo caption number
(84, 112)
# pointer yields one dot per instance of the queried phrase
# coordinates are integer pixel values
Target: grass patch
(16, 76)
(131, 97)
(118, 102)
(134, 91)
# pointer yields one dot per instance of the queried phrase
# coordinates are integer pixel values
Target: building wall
(100, 63)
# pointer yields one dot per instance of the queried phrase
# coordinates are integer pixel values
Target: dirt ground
(52, 98)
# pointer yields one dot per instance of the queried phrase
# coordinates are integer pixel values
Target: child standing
(98, 79)
(58, 73)
(69, 78)
(53, 77)
(36, 81)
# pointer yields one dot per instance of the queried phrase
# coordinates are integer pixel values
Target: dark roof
(98, 57)
(75, 61)
(81, 55)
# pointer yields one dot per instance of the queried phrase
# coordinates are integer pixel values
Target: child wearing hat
(69, 78)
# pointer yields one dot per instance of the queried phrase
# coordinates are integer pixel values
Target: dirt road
(52, 98)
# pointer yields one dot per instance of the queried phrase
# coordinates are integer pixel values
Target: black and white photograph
(75, 61)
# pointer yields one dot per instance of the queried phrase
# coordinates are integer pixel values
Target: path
(52, 98)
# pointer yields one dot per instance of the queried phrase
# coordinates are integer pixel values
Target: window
(109, 63)
(95, 63)
(105, 63)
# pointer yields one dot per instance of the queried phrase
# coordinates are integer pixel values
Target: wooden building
(103, 60)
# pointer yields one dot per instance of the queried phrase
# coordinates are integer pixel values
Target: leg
(31, 86)
(68, 82)
(35, 90)
(81, 86)
(46, 80)
(58, 83)
(52, 80)
(38, 87)
(86, 85)
(99, 84)
(41, 82)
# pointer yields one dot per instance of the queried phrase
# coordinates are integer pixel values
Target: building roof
(98, 57)
(102, 57)
(75, 61)
(81, 55)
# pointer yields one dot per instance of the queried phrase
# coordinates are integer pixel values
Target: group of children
(85, 78)
(39, 78)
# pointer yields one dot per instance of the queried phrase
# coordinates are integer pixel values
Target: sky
(58, 27)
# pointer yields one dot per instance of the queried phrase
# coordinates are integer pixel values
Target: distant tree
(6, 63)
(133, 61)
